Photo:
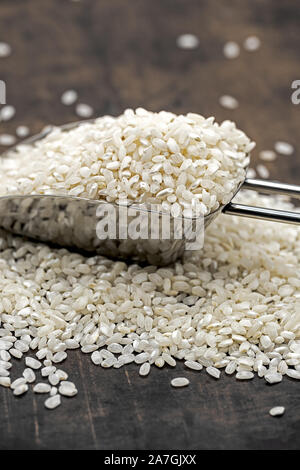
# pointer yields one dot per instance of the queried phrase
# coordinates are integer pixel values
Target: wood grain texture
(120, 54)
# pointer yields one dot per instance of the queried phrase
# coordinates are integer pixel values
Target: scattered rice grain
(144, 369)
(20, 390)
(263, 171)
(193, 365)
(5, 49)
(187, 41)
(29, 375)
(231, 50)
(69, 97)
(33, 363)
(42, 388)
(252, 43)
(180, 382)
(213, 371)
(277, 411)
(284, 148)
(53, 402)
(84, 110)
(7, 113)
(228, 102)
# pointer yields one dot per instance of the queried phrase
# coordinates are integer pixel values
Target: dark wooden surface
(120, 54)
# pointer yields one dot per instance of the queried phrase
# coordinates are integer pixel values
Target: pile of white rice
(235, 306)
(161, 158)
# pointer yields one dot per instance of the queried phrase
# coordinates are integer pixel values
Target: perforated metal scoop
(70, 221)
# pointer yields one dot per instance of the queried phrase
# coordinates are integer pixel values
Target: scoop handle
(263, 213)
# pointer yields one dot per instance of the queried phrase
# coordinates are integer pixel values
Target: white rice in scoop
(142, 156)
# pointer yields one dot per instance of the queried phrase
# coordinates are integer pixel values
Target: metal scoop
(70, 221)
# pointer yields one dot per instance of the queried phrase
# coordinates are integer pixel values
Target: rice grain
(179, 382)
(277, 411)
(53, 402)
